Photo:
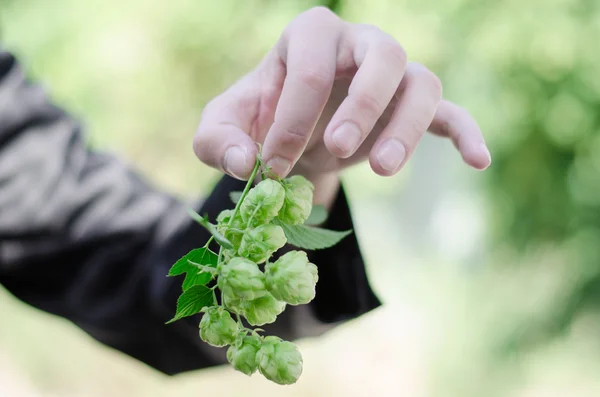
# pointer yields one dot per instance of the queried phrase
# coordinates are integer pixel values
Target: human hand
(328, 95)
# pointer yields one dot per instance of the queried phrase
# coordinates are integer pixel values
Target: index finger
(310, 56)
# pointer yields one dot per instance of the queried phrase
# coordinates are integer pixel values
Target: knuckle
(318, 16)
(445, 128)
(321, 13)
(294, 135)
(270, 95)
(210, 105)
(369, 104)
(428, 77)
(462, 113)
(418, 128)
(392, 51)
(435, 83)
(315, 79)
(200, 144)
(367, 28)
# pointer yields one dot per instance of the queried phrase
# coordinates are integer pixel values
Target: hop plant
(233, 304)
(241, 278)
(233, 232)
(263, 310)
(279, 361)
(242, 354)
(262, 203)
(297, 203)
(217, 328)
(260, 243)
(265, 218)
(292, 278)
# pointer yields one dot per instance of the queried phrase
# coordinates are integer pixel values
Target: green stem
(204, 268)
(251, 218)
(246, 190)
(235, 212)
(215, 301)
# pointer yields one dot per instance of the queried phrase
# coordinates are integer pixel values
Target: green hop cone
(297, 204)
(279, 361)
(259, 244)
(292, 278)
(241, 278)
(263, 310)
(233, 232)
(242, 354)
(233, 304)
(217, 328)
(262, 203)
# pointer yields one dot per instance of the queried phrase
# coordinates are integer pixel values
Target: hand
(331, 94)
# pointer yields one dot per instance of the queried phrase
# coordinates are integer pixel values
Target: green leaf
(317, 216)
(223, 242)
(310, 237)
(192, 301)
(195, 278)
(202, 256)
(235, 196)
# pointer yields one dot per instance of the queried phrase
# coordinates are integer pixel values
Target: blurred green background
(491, 280)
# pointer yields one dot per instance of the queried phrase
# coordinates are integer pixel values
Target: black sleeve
(85, 237)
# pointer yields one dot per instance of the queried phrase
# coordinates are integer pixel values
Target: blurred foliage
(545, 182)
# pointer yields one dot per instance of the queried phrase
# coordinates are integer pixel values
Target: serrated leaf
(310, 237)
(192, 301)
(196, 277)
(235, 196)
(317, 216)
(223, 242)
(202, 256)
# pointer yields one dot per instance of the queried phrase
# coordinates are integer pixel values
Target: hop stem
(246, 190)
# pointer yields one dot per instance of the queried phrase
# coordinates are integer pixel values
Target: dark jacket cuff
(343, 290)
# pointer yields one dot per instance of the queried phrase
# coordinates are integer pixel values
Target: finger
(221, 140)
(421, 93)
(381, 63)
(309, 52)
(456, 123)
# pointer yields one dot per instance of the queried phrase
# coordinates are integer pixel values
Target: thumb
(222, 140)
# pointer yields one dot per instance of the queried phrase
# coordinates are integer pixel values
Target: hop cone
(279, 361)
(262, 203)
(224, 228)
(259, 244)
(241, 278)
(233, 303)
(242, 354)
(217, 328)
(263, 310)
(292, 278)
(297, 204)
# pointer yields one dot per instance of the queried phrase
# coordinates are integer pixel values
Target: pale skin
(331, 94)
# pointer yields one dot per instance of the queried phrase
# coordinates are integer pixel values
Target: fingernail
(346, 137)
(279, 166)
(234, 162)
(391, 154)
